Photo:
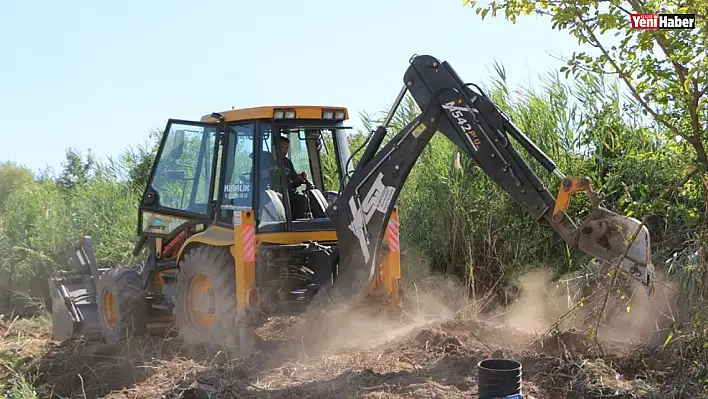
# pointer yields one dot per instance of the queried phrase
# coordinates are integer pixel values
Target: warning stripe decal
(249, 244)
(392, 232)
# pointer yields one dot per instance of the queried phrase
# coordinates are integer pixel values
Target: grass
(15, 385)
(19, 338)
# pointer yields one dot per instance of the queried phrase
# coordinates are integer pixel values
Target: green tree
(12, 176)
(76, 170)
(665, 71)
(134, 163)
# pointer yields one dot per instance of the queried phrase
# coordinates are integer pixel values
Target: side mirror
(175, 174)
(309, 134)
(178, 147)
(313, 135)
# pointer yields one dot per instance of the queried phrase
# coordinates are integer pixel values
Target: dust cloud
(433, 299)
(429, 298)
(540, 308)
(575, 303)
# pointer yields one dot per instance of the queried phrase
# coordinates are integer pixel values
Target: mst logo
(457, 112)
(378, 198)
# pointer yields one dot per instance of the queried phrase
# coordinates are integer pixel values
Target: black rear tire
(121, 289)
(216, 265)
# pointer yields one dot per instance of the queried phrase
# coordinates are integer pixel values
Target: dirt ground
(426, 355)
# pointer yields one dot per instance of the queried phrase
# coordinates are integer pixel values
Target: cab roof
(269, 112)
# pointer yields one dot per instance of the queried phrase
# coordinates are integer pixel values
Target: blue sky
(101, 75)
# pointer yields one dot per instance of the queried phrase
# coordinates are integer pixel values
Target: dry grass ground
(432, 354)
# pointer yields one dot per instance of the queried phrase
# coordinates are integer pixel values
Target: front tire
(205, 303)
(122, 305)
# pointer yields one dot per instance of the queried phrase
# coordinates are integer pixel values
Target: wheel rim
(200, 302)
(109, 309)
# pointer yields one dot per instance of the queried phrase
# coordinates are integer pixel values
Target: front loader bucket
(74, 309)
(606, 235)
(74, 302)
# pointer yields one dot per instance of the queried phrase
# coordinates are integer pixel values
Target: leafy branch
(664, 70)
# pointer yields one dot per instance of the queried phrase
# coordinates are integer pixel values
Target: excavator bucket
(610, 237)
(604, 234)
(73, 294)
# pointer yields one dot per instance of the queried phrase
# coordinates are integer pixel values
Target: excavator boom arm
(481, 131)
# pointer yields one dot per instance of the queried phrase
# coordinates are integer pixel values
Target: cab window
(271, 209)
(298, 154)
(182, 174)
(238, 187)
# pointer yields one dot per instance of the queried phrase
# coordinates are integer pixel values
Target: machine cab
(229, 161)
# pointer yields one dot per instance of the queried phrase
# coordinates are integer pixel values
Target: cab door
(182, 179)
(239, 174)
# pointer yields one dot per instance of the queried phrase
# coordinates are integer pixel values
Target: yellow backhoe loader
(233, 231)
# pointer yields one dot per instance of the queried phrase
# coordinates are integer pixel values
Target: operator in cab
(298, 202)
(293, 178)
